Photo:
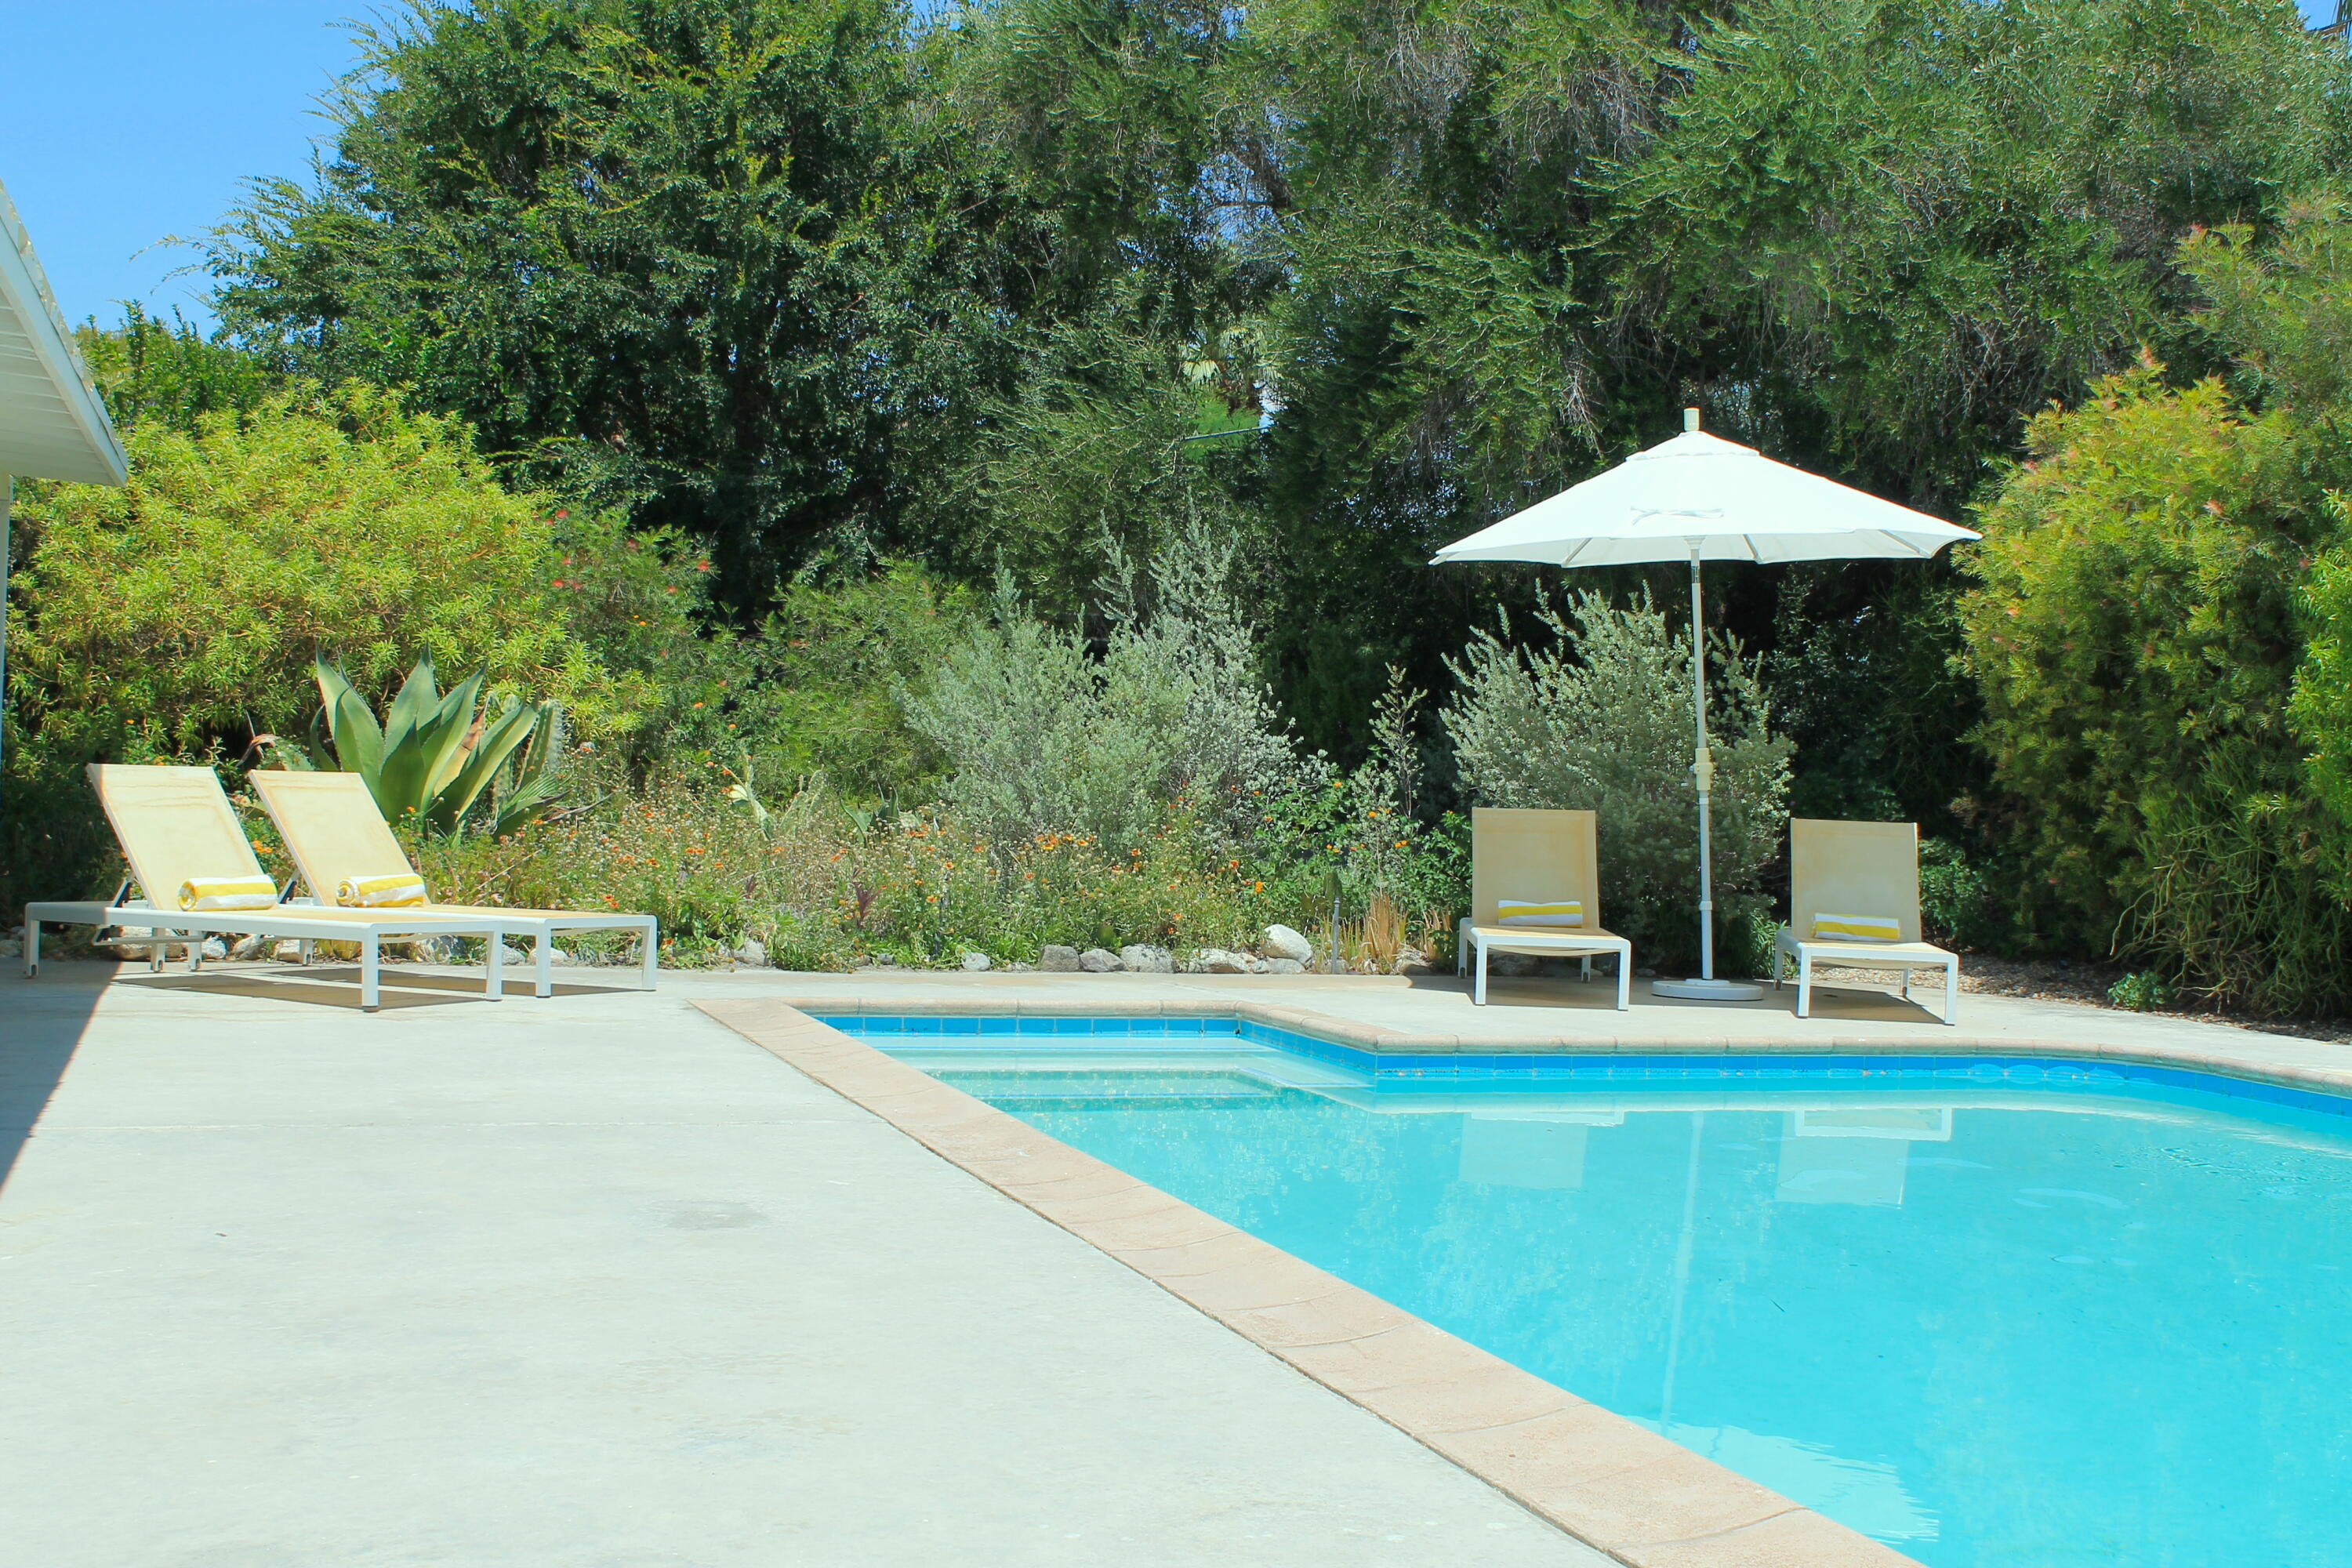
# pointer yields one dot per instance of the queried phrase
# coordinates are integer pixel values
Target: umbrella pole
(1707, 987)
(1703, 773)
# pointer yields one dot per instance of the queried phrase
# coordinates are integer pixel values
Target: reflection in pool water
(2040, 1326)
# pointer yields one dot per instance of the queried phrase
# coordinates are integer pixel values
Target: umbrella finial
(1690, 419)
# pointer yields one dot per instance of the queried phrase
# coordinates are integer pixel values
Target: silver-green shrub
(1043, 736)
(1600, 720)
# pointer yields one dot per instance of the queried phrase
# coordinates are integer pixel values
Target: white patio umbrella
(1697, 498)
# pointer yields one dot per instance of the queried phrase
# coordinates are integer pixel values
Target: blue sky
(125, 122)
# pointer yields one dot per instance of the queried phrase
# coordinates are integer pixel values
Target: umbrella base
(1706, 990)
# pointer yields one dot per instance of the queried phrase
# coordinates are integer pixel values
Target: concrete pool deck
(597, 1281)
(594, 1281)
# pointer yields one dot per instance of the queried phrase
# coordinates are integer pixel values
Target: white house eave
(53, 425)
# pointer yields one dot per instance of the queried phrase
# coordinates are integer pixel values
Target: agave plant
(434, 755)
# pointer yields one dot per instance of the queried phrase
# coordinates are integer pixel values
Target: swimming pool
(1990, 1312)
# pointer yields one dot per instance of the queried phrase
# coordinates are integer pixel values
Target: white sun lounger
(174, 825)
(1536, 857)
(335, 833)
(1865, 869)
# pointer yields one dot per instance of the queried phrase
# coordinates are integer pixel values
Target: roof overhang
(53, 425)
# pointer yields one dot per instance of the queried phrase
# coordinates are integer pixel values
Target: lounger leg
(1478, 986)
(1907, 983)
(370, 991)
(543, 966)
(1588, 969)
(32, 947)
(1805, 985)
(651, 943)
(494, 959)
(302, 953)
(1624, 980)
(1952, 992)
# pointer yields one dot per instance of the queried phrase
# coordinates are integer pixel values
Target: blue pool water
(1995, 1314)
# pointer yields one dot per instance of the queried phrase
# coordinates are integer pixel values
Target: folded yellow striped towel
(1522, 912)
(204, 894)
(1856, 928)
(393, 889)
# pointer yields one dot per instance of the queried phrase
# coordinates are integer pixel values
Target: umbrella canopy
(1700, 493)
(1699, 498)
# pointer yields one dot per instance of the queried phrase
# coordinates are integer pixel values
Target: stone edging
(1374, 1038)
(1643, 1500)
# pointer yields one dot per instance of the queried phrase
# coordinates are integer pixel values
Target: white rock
(289, 950)
(10, 947)
(248, 948)
(1217, 960)
(557, 956)
(975, 962)
(1143, 958)
(1281, 941)
(752, 954)
(214, 948)
(1059, 960)
(1285, 966)
(1019, 968)
(1098, 960)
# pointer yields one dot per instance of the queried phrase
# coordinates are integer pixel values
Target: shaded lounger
(176, 825)
(1859, 872)
(1536, 857)
(336, 834)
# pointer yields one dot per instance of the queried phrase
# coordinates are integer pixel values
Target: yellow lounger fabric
(392, 889)
(204, 894)
(1856, 928)
(1521, 913)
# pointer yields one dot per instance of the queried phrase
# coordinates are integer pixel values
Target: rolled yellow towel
(1522, 912)
(1856, 928)
(201, 895)
(393, 889)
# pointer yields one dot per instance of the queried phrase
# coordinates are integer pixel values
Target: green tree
(697, 254)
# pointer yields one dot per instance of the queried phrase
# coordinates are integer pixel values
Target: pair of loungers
(179, 832)
(1535, 888)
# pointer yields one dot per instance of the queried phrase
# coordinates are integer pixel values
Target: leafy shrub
(820, 691)
(1599, 720)
(1046, 736)
(1355, 840)
(2141, 993)
(190, 603)
(2136, 640)
(1956, 902)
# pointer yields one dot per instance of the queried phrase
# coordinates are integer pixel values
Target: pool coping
(1638, 1497)
(1377, 1040)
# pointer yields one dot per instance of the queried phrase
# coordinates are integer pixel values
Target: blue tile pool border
(1564, 1063)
